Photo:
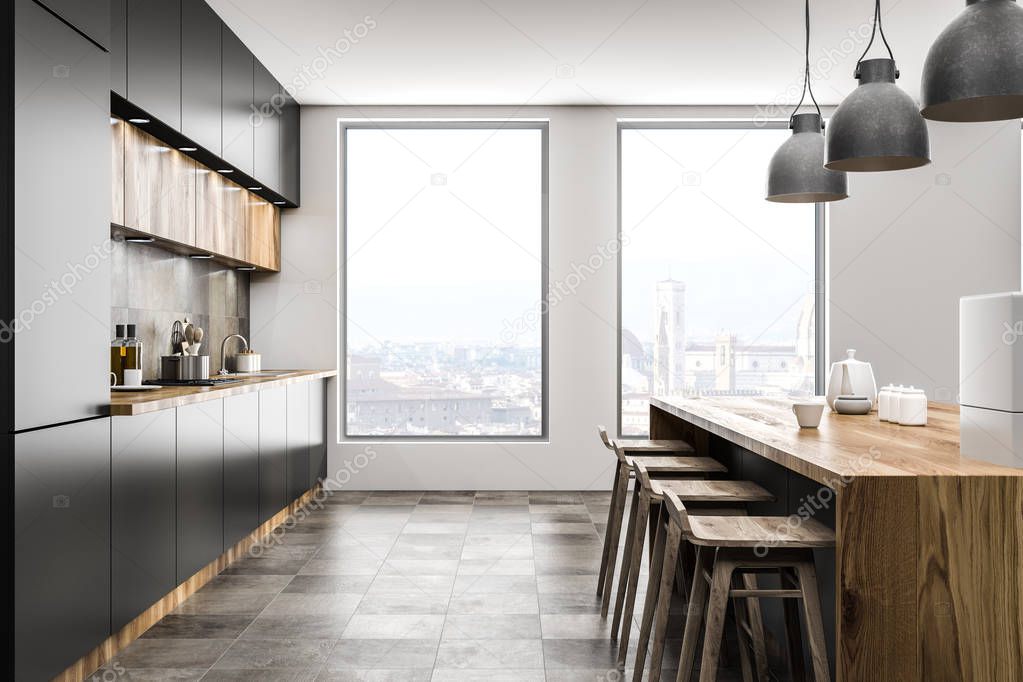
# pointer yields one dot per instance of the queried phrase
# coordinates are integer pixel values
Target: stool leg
(611, 516)
(663, 604)
(793, 630)
(756, 625)
(717, 606)
(616, 530)
(629, 580)
(694, 613)
(743, 629)
(652, 592)
(814, 621)
(630, 540)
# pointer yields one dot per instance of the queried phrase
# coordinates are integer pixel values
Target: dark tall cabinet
(241, 466)
(273, 448)
(200, 486)
(317, 431)
(201, 75)
(61, 546)
(290, 150)
(268, 108)
(237, 115)
(154, 58)
(142, 525)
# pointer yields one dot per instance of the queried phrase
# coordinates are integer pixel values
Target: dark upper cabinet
(298, 439)
(238, 115)
(154, 58)
(61, 147)
(268, 106)
(61, 546)
(317, 431)
(90, 17)
(200, 486)
(241, 466)
(119, 47)
(200, 74)
(273, 446)
(142, 534)
(290, 149)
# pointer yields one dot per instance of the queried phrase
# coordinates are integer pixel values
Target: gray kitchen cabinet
(61, 222)
(201, 87)
(273, 448)
(237, 114)
(142, 524)
(61, 546)
(317, 431)
(89, 17)
(291, 139)
(119, 47)
(241, 466)
(200, 486)
(268, 108)
(154, 58)
(298, 439)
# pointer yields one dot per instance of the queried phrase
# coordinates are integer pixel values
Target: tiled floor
(403, 586)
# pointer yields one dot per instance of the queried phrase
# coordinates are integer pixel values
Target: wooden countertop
(844, 446)
(129, 403)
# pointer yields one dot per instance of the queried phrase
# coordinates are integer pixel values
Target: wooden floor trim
(105, 652)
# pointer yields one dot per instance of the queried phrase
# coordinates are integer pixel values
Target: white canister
(913, 407)
(884, 403)
(893, 403)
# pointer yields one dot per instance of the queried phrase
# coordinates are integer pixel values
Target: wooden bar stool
(615, 511)
(729, 548)
(721, 496)
(680, 462)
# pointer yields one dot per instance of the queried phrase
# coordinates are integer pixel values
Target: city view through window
(443, 282)
(717, 283)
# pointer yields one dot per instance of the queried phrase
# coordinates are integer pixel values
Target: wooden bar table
(928, 570)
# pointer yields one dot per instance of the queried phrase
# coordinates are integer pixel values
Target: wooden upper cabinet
(263, 221)
(159, 187)
(221, 221)
(117, 130)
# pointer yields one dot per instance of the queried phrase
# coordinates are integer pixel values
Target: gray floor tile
(491, 654)
(491, 626)
(181, 626)
(367, 654)
(171, 653)
(261, 654)
(394, 627)
(329, 584)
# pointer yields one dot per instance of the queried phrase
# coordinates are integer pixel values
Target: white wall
(294, 314)
(906, 245)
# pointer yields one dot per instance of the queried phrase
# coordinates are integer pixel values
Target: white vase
(851, 377)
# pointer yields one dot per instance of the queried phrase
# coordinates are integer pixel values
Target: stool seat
(757, 531)
(690, 490)
(656, 464)
(642, 447)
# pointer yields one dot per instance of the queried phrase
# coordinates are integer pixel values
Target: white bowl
(808, 414)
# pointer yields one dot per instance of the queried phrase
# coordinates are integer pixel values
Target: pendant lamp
(974, 70)
(796, 174)
(878, 127)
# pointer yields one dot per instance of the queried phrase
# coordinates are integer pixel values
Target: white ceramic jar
(913, 407)
(884, 403)
(893, 403)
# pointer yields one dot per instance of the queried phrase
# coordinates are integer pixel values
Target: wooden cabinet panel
(263, 222)
(117, 128)
(221, 213)
(159, 188)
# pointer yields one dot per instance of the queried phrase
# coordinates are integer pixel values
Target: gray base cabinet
(61, 546)
(200, 486)
(298, 439)
(142, 525)
(273, 447)
(317, 431)
(241, 467)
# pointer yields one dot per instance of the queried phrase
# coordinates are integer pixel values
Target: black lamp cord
(806, 73)
(877, 28)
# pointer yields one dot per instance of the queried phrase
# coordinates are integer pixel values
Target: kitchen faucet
(223, 349)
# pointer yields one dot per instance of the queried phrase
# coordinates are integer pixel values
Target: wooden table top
(843, 446)
(129, 403)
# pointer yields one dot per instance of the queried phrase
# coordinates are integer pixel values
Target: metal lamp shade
(878, 126)
(974, 70)
(797, 174)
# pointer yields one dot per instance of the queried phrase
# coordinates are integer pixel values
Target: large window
(718, 292)
(445, 245)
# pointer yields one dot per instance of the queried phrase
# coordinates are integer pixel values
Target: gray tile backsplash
(153, 287)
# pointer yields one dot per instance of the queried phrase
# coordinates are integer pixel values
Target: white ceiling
(549, 52)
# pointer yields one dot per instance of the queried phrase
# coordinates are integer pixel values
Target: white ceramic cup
(808, 414)
(133, 377)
